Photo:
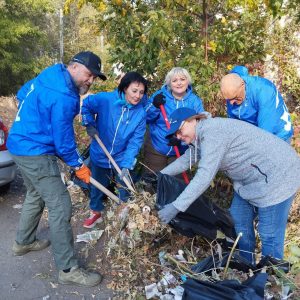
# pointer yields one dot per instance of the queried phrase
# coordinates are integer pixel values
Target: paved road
(33, 276)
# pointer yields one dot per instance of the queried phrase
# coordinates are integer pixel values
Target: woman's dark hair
(129, 78)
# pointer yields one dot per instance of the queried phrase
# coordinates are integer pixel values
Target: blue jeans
(271, 226)
(104, 177)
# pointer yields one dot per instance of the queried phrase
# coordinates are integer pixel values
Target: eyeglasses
(240, 96)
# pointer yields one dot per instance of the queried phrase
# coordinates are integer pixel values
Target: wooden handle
(114, 163)
(104, 190)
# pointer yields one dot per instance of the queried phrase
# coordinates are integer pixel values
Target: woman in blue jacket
(119, 119)
(176, 93)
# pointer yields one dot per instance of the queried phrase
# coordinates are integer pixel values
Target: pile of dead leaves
(141, 252)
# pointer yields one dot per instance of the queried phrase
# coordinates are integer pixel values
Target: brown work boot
(79, 276)
(37, 245)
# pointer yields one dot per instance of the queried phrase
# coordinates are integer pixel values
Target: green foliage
(282, 48)
(206, 37)
(21, 41)
(82, 33)
(154, 36)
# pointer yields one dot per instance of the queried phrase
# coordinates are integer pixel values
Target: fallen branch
(230, 254)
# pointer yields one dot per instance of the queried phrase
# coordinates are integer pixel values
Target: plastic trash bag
(236, 262)
(251, 289)
(203, 217)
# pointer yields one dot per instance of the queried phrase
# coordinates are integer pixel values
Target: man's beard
(83, 89)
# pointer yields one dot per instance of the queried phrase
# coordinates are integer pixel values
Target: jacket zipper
(119, 122)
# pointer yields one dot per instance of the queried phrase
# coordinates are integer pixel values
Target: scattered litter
(13, 286)
(18, 206)
(89, 236)
(46, 297)
(179, 256)
(146, 213)
(161, 258)
(183, 278)
(70, 184)
(63, 177)
(268, 296)
(177, 292)
(53, 285)
(165, 289)
(73, 188)
(167, 280)
(152, 291)
(41, 275)
(285, 291)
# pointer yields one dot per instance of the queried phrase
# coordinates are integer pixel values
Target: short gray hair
(176, 71)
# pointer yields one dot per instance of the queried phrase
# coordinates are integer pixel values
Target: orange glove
(84, 174)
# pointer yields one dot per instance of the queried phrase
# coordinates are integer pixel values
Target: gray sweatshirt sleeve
(213, 149)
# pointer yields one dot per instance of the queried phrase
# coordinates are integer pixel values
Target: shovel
(104, 190)
(114, 163)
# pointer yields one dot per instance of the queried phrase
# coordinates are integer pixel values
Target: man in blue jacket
(42, 131)
(257, 101)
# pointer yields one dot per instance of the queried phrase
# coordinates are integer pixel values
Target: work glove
(83, 173)
(158, 100)
(168, 213)
(91, 131)
(125, 173)
(174, 141)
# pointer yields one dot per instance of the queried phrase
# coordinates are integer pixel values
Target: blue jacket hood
(263, 106)
(62, 82)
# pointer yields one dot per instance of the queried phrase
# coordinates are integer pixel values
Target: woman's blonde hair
(176, 71)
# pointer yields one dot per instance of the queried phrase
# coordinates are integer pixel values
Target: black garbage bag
(251, 289)
(150, 182)
(236, 262)
(203, 217)
(274, 264)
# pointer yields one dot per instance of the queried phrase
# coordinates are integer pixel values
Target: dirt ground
(34, 276)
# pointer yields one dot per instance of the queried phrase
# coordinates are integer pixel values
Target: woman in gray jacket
(265, 172)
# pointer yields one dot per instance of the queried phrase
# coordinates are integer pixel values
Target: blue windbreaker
(44, 122)
(263, 106)
(121, 128)
(157, 124)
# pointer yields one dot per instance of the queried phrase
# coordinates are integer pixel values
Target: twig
(179, 264)
(230, 254)
(192, 245)
(147, 168)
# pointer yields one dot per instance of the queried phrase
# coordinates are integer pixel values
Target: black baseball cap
(91, 61)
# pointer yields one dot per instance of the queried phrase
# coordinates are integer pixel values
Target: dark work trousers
(153, 159)
(104, 176)
(42, 179)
